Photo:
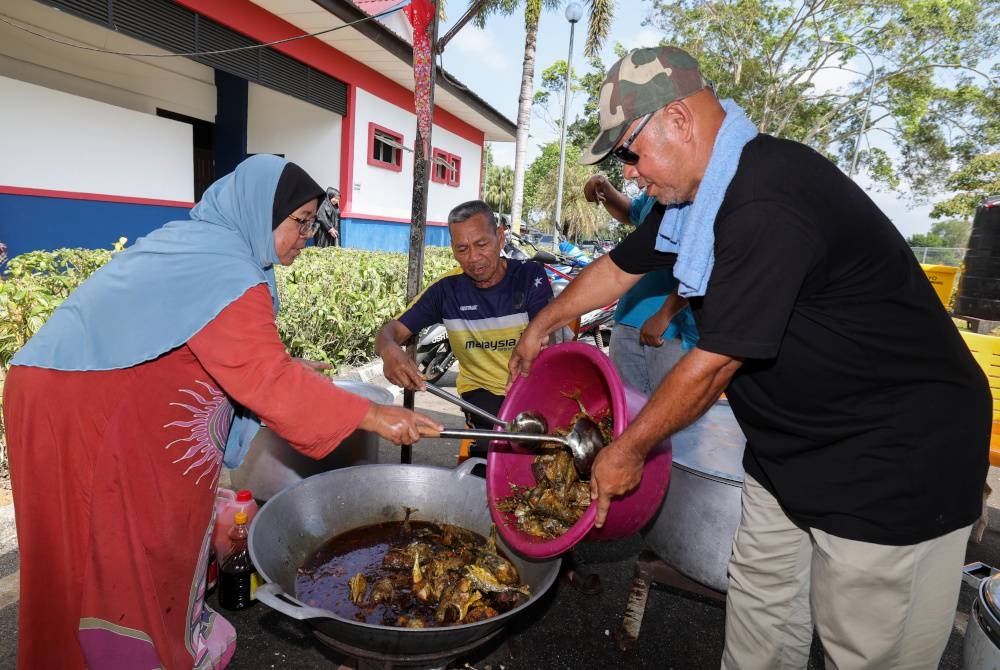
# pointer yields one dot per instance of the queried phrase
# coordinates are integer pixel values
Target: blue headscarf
(153, 297)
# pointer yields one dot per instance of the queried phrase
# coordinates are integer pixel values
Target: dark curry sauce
(448, 586)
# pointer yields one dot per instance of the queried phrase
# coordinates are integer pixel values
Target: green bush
(34, 285)
(333, 300)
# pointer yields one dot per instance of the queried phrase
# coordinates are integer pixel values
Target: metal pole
(864, 115)
(562, 140)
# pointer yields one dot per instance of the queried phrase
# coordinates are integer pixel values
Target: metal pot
(300, 519)
(696, 524)
(981, 649)
(271, 464)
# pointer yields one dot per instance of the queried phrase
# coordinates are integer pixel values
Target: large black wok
(297, 521)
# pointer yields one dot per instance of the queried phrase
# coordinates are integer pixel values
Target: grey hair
(469, 209)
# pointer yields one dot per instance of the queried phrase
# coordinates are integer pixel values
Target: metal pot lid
(712, 446)
(372, 392)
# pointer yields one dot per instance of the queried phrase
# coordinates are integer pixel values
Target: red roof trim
(257, 23)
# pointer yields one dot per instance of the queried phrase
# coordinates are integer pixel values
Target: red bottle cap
(244, 495)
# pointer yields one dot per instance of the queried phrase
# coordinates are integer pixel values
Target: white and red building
(94, 145)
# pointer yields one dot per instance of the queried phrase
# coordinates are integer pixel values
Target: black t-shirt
(865, 414)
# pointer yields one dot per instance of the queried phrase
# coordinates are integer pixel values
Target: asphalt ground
(564, 629)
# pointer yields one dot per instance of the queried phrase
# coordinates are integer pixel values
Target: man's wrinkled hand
(616, 471)
(528, 347)
(401, 370)
(594, 188)
(651, 332)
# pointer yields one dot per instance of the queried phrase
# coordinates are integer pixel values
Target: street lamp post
(574, 12)
(864, 115)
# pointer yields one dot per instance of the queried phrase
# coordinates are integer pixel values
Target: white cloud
(834, 79)
(906, 216)
(480, 45)
(646, 37)
(503, 153)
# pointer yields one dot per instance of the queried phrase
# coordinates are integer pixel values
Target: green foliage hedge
(333, 300)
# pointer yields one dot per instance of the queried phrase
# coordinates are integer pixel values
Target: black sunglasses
(625, 155)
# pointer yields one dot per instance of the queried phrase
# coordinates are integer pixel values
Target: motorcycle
(434, 356)
(562, 268)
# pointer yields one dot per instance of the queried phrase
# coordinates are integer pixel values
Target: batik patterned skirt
(114, 476)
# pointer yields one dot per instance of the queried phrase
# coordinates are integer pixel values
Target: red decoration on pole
(421, 16)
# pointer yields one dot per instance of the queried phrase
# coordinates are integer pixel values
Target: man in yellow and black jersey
(485, 305)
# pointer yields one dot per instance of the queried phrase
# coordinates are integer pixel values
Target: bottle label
(255, 581)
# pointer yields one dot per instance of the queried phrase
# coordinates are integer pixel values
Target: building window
(385, 148)
(447, 168)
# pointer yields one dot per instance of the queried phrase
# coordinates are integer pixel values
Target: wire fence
(952, 256)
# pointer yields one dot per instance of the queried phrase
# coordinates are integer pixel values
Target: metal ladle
(525, 422)
(583, 441)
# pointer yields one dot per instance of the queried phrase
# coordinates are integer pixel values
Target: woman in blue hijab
(121, 409)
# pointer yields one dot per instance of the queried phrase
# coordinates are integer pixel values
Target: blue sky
(489, 62)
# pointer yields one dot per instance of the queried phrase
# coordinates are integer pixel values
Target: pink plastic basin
(570, 368)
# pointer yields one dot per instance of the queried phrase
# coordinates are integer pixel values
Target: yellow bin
(942, 278)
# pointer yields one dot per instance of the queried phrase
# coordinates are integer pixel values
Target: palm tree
(498, 187)
(581, 219)
(599, 24)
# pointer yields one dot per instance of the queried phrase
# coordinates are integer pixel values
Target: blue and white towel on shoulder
(689, 230)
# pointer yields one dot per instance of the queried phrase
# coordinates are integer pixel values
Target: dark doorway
(204, 144)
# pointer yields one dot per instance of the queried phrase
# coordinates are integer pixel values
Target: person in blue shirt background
(654, 326)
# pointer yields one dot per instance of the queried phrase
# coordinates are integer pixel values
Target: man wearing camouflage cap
(867, 419)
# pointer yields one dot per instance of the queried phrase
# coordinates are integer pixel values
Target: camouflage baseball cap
(640, 83)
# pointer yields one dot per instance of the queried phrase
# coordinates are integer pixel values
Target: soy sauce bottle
(238, 579)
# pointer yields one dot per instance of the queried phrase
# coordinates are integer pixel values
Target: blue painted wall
(388, 236)
(31, 223)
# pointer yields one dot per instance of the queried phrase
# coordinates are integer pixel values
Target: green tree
(919, 240)
(580, 132)
(551, 93)
(498, 183)
(581, 219)
(952, 232)
(598, 25)
(934, 85)
(498, 188)
(542, 169)
(974, 181)
(585, 128)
